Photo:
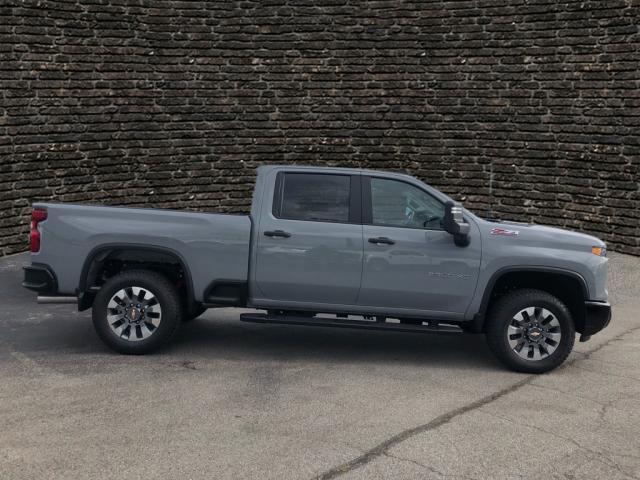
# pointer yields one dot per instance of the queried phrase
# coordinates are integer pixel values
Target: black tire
(500, 317)
(167, 299)
(195, 313)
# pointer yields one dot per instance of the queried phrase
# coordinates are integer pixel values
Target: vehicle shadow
(231, 339)
(55, 330)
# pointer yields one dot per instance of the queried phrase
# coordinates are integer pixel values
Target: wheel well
(566, 287)
(106, 262)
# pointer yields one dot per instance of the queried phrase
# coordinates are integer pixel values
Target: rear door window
(313, 197)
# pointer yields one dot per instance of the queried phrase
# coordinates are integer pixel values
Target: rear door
(410, 263)
(309, 240)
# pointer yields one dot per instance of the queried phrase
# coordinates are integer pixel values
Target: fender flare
(103, 250)
(479, 317)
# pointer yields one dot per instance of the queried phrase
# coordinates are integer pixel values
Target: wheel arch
(569, 286)
(95, 262)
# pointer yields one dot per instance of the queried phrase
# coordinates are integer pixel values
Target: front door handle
(385, 240)
(277, 233)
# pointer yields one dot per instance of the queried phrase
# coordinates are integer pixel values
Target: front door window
(400, 204)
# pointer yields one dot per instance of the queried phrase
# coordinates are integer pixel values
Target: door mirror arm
(453, 223)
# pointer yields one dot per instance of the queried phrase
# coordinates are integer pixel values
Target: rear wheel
(136, 312)
(530, 331)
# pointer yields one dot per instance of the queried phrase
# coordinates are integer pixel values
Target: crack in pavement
(421, 465)
(608, 374)
(427, 467)
(598, 455)
(382, 448)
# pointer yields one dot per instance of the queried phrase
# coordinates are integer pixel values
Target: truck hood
(541, 233)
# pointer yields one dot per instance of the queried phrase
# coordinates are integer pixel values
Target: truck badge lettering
(504, 232)
(448, 275)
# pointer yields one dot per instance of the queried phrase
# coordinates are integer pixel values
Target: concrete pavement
(234, 400)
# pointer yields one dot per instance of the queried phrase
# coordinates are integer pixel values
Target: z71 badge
(505, 232)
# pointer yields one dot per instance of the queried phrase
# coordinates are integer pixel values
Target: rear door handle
(277, 233)
(385, 240)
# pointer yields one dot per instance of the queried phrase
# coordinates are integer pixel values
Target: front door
(309, 241)
(410, 263)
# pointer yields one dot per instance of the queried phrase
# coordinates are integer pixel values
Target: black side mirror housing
(453, 223)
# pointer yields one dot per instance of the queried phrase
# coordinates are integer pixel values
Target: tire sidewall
(160, 288)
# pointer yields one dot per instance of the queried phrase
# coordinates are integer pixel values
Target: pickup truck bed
(214, 246)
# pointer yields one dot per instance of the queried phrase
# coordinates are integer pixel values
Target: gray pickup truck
(326, 247)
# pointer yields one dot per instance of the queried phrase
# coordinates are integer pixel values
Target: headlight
(599, 251)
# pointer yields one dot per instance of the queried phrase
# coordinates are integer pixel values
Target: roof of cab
(344, 170)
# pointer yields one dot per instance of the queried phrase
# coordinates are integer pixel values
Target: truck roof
(311, 168)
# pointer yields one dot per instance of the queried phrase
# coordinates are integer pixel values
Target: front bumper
(597, 316)
(40, 278)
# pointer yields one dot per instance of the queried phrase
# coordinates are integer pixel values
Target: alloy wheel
(534, 333)
(134, 313)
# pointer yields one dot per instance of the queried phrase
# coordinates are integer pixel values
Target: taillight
(37, 215)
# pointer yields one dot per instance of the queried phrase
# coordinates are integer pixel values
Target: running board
(56, 299)
(347, 323)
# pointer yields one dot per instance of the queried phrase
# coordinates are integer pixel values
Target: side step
(348, 323)
(56, 299)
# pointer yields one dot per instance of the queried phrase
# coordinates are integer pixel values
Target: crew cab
(328, 247)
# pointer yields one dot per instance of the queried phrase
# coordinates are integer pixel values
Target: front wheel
(530, 331)
(136, 312)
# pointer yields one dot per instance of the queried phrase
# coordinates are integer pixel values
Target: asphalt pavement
(229, 400)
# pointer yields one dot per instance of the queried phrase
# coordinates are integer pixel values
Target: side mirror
(453, 223)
